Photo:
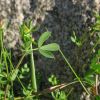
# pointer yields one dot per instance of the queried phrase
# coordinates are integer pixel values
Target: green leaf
(53, 80)
(74, 35)
(26, 29)
(90, 80)
(78, 43)
(91, 72)
(50, 47)
(43, 38)
(47, 54)
(96, 68)
(13, 75)
(1, 65)
(2, 81)
(2, 92)
(3, 74)
(97, 97)
(73, 39)
(95, 64)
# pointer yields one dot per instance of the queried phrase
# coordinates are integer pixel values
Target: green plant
(78, 78)
(46, 50)
(76, 40)
(92, 75)
(57, 94)
(10, 73)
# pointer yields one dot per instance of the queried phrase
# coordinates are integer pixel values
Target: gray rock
(59, 16)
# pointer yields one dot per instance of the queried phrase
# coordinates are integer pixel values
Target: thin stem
(6, 92)
(69, 92)
(56, 87)
(33, 76)
(1, 38)
(96, 84)
(74, 71)
(21, 83)
(1, 44)
(5, 54)
(31, 50)
(20, 61)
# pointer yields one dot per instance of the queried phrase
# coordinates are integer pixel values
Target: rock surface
(59, 16)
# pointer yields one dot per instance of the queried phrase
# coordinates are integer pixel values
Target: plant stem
(73, 71)
(20, 61)
(21, 83)
(33, 76)
(1, 44)
(6, 92)
(29, 51)
(96, 84)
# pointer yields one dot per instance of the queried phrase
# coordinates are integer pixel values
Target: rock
(59, 16)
